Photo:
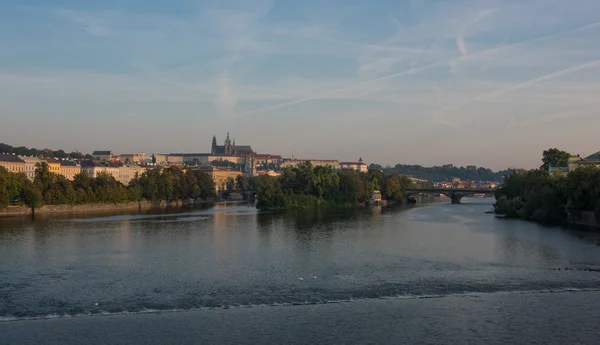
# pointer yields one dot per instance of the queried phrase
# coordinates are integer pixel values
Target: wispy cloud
(95, 24)
(226, 99)
(460, 64)
(439, 115)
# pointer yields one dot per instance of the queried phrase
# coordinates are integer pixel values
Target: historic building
(53, 165)
(69, 169)
(30, 166)
(294, 162)
(229, 148)
(220, 176)
(102, 155)
(359, 166)
(12, 163)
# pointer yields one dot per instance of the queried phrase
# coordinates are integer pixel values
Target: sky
(487, 82)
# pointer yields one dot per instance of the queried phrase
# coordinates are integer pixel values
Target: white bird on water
(301, 278)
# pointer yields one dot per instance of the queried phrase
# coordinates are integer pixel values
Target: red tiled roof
(310, 160)
(352, 163)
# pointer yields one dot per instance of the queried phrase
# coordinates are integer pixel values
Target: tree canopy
(554, 158)
(549, 198)
(306, 186)
(49, 188)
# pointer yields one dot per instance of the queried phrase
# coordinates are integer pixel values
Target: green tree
(324, 182)
(269, 193)
(349, 186)
(32, 197)
(554, 158)
(230, 185)
(242, 182)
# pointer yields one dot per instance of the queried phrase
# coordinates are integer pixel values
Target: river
(230, 256)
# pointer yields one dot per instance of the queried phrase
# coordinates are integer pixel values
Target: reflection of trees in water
(517, 241)
(304, 223)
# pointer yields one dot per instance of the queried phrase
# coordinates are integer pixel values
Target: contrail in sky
(519, 86)
(412, 71)
(349, 87)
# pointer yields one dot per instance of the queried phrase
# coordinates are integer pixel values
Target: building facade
(30, 166)
(220, 176)
(12, 163)
(576, 161)
(53, 165)
(359, 166)
(102, 155)
(294, 162)
(268, 159)
(69, 169)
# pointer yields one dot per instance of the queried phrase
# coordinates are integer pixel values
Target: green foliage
(307, 186)
(242, 182)
(24, 151)
(536, 195)
(446, 172)
(269, 193)
(230, 185)
(52, 189)
(31, 196)
(173, 183)
(554, 158)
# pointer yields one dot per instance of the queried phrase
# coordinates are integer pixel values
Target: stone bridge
(455, 194)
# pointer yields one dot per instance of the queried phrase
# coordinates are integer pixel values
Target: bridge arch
(454, 194)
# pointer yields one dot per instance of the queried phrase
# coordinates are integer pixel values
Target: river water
(232, 255)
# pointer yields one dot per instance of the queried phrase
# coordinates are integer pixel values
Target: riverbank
(98, 207)
(509, 318)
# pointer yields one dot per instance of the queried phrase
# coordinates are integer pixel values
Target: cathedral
(230, 148)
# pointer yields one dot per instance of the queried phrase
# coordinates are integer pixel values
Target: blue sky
(482, 82)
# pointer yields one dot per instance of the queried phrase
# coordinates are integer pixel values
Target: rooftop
(10, 158)
(593, 157)
(102, 153)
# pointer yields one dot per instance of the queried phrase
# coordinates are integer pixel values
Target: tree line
(49, 188)
(48, 153)
(444, 172)
(305, 186)
(543, 197)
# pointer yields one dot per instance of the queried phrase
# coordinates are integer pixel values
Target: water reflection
(233, 254)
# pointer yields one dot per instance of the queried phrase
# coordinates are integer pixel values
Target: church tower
(213, 149)
(228, 145)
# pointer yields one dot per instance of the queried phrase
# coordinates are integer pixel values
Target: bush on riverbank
(549, 198)
(306, 186)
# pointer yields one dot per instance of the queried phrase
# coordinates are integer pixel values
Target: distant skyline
(489, 83)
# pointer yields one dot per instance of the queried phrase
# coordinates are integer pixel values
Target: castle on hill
(229, 148)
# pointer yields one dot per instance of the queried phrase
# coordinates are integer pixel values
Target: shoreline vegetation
(306, 186)
(102, 207)
(50, 192)
(552, 198)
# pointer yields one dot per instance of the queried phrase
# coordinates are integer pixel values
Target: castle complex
(230, 148)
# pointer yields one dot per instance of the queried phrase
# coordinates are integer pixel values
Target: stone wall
(23, 210)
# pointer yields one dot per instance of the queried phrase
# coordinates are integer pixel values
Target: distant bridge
(247, 194)
(455, 194)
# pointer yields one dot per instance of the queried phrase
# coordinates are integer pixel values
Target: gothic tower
(213, 149)
(228, 145)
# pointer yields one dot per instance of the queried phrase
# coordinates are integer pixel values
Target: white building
(30, 166)
(359, 166)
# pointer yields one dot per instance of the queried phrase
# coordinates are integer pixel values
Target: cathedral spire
(213, 146)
